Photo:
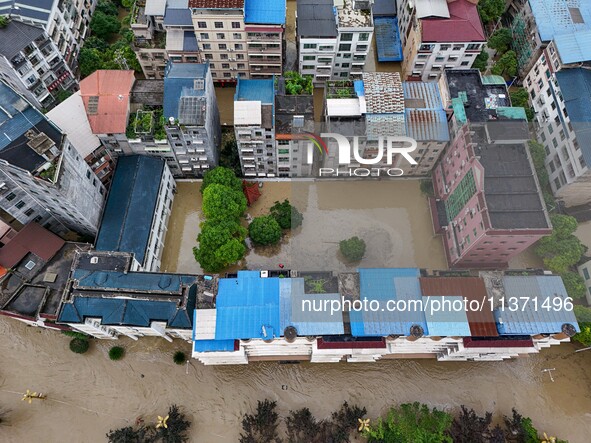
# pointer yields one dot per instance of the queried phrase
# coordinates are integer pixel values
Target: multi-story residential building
(137, 210)
(259, 316)
(438, 35)
(379, 106)
(191, 116)
(537, 22)
(585, 272)
(31, 63)
(70, 116)
(105, 299)
(488, 203)
(387, 35)
(294, 117)
(65, 21)
(333, 38)
(40, 264)
(42, 176)
(559, 85)
(254, 126)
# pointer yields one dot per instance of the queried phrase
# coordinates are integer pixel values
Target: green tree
(521, 428)
(63, 95)
(122, 49)
(520, 98)
(264, 230)
(229, 157)
(491, 10)
(583, 313)
(574, 284)
(286, 215)
(127, 3)
(79, 345)
(179, 357)
(221, 176)
(469, 427)
(261, 427)
(222, 202)
(563, 225)
(4, 20)
(481, 61)
(501, 40)
(89, 60)
(506, 65)
(176, 428)
(559, 254)
(411, 423)
(353, 249)
(104, 26)
(220, 244)
(129, 435)
(116, 353)
(107, 7)
(302, 426)
(296, 84)
(584, 337)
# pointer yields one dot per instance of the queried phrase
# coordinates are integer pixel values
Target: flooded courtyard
(89, 394)
(392, 217)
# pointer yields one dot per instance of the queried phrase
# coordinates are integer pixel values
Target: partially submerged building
(136, 213)
(488, 203)
(43, 178)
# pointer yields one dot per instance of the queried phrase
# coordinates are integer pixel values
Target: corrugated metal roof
(512, 113)
(575, 86)
(426, 119)
(213, 345)
(248, 307)
(543, 313)
(382, 285)
(463, 25)
(384, 124)
(155, 7)
(459, 110)
(271, 12)
(493, 80)
(448, 321)
(180, 93)
(215, 4)
(574, 48)
(432, 8)
(388, 40)
(17, 116)
(383, 92)
(129, 211)
(70, 117)
(32, 238)
(178, 17)
(255, 90)
(555, 17)
(306, 321)
(482, 323)
(190, 42)
(16, 36)
(134, 281)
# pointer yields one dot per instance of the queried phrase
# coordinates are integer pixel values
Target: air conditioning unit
(264, 274)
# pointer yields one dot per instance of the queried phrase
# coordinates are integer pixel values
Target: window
(224, 56)
(235, 25)
(20, 204)
(586, 273)
(204, 36)
(473, 47)
(201, 25)
(458, 47)
(309, 57)
(464, 63)
(208, 57)
(345, 65)
(309, 45)
(343, 74)
(239, 56)
(308, 67)
(361, 48)
(445, 47)
(348, 37)
(345, 47)
(222, 46)
(11, 196)
(225, 65)
(241, 66)
(364, 36)
(218, 25)
(298, 121)
(426, 48)
(212, 66)
(87, 174)
(206, 46)
(238, 46)
(237, 36)
(29, 212)
(220, 36)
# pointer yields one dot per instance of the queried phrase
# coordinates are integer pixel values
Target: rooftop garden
(340, 89)
(297, 84)
(149, 122)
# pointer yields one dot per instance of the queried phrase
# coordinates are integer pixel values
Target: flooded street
(89, 394)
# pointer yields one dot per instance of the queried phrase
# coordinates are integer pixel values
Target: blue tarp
(388, 39)
(260, 12)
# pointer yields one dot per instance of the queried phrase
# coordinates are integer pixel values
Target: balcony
(256, 36)
(268, 70)
(259, 48)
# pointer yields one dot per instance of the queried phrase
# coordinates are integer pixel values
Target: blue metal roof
(178, 17)
(575, 86)
(190, 42)
(22, 115)
(255, 90)
(179, 81)
(128, 214)
(129, 312)
(388, 39)
(271, 12)
(448, 322)
(426, 119)
(294, 310)
(137, 281)
(529, 318)
(359, 88)
(247, 307)
(553, 17)
(574, 48)
(213, 345)
(383, 285)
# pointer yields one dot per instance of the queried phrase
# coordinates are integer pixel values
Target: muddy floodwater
(89, 394)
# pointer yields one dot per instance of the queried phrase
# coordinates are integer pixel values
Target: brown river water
(89, 394)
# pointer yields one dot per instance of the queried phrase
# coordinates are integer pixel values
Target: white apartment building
(65, 21)
(333, 38)
(42, 177)
(31, 63)
(561, 102)
(438, 35)
(254, 127)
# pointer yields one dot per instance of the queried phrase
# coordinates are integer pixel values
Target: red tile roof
(216, 4)
(32, 238)
(463, 25)
(112, 88)
(482, 323)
